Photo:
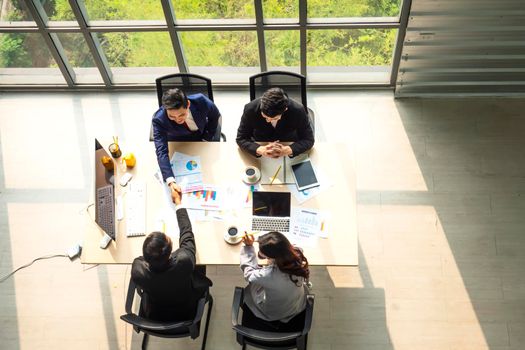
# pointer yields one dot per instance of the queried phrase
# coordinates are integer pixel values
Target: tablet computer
(304, 175)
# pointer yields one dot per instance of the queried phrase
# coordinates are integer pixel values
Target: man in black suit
(171, 285)
(275, 118)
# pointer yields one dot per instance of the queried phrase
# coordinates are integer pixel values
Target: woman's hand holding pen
(248, 239)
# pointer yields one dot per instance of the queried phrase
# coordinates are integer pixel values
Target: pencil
(277, 172)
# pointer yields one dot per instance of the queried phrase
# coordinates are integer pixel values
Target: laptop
(271, 211)
(104, 193)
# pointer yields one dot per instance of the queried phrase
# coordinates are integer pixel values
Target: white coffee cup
(251, 175)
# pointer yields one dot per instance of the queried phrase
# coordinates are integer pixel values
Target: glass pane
(58, 10)
(213, 9)
(283, 9)
(352, 54)
(25, 59)
(354, 8)
(151, 51)
(79, 56)
(282, 48)
(236, 52)
(14, 10)
(119, 10)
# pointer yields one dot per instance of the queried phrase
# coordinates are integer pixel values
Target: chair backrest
(292, 83)
(179, 329)
(271, 340)
(187, 82)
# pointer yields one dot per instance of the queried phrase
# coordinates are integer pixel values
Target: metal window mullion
(259, 21)
(403, 22)
(303, 13)
(169, 13)
(52, 42)
(93, 43)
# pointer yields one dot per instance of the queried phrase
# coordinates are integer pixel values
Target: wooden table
(224, 162)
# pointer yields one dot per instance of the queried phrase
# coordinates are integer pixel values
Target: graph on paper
(209, 198)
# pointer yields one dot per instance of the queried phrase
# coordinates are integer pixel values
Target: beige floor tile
(440, 218)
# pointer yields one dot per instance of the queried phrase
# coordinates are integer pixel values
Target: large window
(112, 43)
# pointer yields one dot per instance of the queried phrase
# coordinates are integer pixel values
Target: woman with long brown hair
(277, 291)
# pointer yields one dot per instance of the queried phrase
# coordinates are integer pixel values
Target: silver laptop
(271, 211)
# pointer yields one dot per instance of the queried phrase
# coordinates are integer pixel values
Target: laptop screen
(271, 204)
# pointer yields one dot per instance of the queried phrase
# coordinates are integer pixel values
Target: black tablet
(304, 175)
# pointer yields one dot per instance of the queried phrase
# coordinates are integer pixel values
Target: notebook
(269, 168)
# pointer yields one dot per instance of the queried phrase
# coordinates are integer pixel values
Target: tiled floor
(440, 185)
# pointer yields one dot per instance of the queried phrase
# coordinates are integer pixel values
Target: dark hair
(274, 102)
(289, 259)
(174, 99)
(157, 250)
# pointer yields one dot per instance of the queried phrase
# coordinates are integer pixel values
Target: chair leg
(301, 342)
(305, 341)
(145, 341)
(205, 335)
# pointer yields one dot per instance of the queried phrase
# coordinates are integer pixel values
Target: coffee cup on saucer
(251, 175)
(232, 235)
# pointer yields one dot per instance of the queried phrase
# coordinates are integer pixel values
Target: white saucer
(256, 178)
(236, 239)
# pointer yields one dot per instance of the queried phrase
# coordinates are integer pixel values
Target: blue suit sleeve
(160, 138)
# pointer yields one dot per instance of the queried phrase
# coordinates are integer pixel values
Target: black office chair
(263, 339)
(292, 83)
(181, 329)
(189, 83)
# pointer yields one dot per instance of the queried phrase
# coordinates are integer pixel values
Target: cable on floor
(31, 263)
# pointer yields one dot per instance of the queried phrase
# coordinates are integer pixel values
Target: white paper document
(239, 196)
(167, 222)
(187, 170)
(304, 195)
(305, 226)
(208, 198)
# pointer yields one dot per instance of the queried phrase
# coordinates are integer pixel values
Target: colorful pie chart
(191, 165)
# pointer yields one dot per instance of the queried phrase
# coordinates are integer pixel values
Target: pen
(277, 172)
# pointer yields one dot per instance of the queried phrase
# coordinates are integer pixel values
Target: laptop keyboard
(271, 224)
(106, 210)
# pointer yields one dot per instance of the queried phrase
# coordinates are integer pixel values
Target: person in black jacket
(171, 285)
(275, 118)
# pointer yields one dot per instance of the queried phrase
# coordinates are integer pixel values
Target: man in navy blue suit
(182, 118)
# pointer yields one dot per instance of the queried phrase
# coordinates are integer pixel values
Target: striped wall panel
(465, 47)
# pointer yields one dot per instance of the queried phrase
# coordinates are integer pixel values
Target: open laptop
(271, 211)
(104, 193)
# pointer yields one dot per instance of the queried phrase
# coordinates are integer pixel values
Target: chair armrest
(310, 298)
(200, 307)
(152, 325)
(265, 336)
(131, 295)
(238, 297)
